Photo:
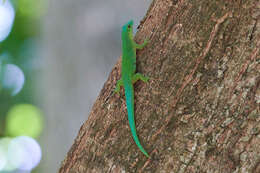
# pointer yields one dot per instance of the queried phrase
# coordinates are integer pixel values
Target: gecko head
(128, 27)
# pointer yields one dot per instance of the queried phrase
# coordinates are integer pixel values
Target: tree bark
(199, 112)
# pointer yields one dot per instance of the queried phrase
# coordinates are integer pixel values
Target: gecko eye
(129, 26)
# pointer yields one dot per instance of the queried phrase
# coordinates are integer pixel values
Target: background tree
(200, 110)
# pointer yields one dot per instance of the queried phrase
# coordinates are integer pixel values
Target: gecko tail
(139, 145)
(130, 111)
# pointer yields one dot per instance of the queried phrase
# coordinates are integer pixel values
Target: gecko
(129, 77)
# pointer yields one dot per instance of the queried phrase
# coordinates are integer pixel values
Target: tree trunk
(199, 112)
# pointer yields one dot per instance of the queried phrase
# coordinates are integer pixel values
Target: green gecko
(129, 77)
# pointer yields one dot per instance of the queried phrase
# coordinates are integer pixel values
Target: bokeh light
(19, 152)
(5, 164)
(11, 79)
(3, 155)
(24, 120)
(24, 153)
(7, 14)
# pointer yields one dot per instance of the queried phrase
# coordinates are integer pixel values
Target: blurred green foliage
(20, 48)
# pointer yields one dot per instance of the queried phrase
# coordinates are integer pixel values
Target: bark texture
(200, 110)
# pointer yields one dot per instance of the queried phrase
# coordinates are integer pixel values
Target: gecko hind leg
(118, 85)
(138, 76)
